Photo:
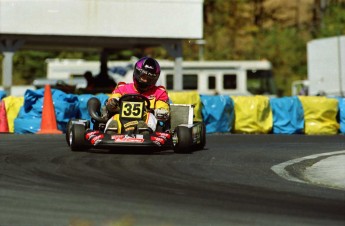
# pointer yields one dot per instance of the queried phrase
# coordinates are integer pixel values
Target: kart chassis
(186, 135)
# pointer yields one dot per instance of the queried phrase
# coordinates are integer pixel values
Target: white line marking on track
(280, 169)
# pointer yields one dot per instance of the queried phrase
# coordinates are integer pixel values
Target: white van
(206, 77)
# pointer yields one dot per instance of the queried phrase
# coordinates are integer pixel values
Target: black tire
(202, 143)
(77, 138)
(184, 140)
(69, 127)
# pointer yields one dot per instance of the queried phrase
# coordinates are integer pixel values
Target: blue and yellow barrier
(310, 115)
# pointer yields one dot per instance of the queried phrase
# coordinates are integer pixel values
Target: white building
(97, 24)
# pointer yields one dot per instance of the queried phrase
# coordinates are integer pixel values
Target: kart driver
(145, 75)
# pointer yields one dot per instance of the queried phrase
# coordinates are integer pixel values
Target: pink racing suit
(157, 95)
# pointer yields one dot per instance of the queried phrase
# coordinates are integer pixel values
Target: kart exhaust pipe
(93, 107)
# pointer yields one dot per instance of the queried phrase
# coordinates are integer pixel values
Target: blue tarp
(30, 114)
(82, 106)
(341, 114)
(2, 94)
(217, 113)
(288, 115)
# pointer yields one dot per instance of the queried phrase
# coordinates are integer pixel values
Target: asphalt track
(231, 182)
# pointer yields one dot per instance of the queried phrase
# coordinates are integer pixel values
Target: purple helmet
(146, 73)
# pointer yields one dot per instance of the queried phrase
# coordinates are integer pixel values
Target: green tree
(285, 48)
(333, 21)
(233, 30)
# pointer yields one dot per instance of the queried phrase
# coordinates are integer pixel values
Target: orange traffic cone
(3, 118)
(48, 123)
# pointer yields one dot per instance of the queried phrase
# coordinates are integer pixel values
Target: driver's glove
(162, 114)
(112, 105)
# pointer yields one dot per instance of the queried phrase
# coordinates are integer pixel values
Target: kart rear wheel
(77, 138)
(202, 143)
(184, 140)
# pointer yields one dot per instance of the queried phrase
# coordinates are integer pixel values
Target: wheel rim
(175, 139)
(70, 137)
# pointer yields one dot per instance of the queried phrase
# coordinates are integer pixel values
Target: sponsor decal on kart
(165, 136)
(158, 140)
(157, 143)
(95, 140)
(131, 123)
(130, 128)
(92, 134)
(126, 139)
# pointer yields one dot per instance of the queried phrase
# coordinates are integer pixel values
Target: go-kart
(179, 133)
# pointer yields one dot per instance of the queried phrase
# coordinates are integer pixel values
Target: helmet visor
(147, 77)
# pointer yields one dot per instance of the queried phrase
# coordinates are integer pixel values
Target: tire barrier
(217, 113)
(253, 115)
(320, 115)
(310, 115)
(2, 94)
(288, 115)
(13, 105)
(30, 114)
(341, 114)
(3, 118)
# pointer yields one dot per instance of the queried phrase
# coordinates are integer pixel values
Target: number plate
(132, 110)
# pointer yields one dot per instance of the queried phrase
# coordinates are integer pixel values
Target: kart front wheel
(184, 140)
(77, 137)
(68, 131)
(71, 122)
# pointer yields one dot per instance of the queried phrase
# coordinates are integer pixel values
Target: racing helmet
(146, 73)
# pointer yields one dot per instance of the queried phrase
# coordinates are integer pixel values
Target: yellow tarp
(13, 105)
(253, 114)
(190, 97)
(320, 115)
